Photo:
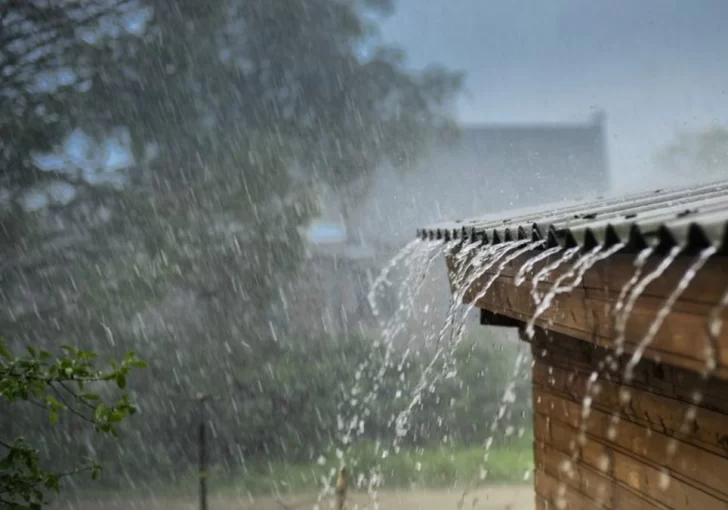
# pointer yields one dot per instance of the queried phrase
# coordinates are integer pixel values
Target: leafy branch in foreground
(70, 383)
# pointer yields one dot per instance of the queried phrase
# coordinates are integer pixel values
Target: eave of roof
(694, 217)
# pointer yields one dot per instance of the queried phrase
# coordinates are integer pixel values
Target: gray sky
(654, 66)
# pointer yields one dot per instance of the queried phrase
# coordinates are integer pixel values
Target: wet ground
(493, 498)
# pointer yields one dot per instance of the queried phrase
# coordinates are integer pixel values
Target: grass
(431, 468)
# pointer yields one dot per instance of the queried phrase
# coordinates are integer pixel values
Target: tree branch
(70, 408)
(75, 395)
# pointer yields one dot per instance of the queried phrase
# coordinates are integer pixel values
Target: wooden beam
(488, 318)
(588, 311)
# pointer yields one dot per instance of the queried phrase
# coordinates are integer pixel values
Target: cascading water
(639, 265)
(714, 328)
(662, 313)
(609, 362)
(416, 258)
(458, 328)
(472, 262)
(484, 263)
(382, 277)
(634, 294)
(530, 263)
(577, 271)
(636, 287)
(469, 269)
(546, 271)
(623, 315)
(665, 309)
(496, 254)
(715, 325)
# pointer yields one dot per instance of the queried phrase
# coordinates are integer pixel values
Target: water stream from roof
(639, 265)
(529, 264)
(610, 362)
(593, 388)
(382, 278)
(546, 271)
(507, 400)
(619, 342)
(715, 325)
(577, 272)
(416, 258)
(634, 295)
(453, 322)
(474, 268)
(466, 276)
(445, 352)
(666, 308)
(508, 247)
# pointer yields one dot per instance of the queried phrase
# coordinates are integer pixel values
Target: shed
(630, 363)
(541, 161)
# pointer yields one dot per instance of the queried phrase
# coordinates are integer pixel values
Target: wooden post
(202, 467)
(342, 485)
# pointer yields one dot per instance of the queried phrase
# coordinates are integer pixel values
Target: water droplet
(603, 463)
(664, 480)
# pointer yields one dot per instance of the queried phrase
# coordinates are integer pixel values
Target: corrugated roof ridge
(693, 216)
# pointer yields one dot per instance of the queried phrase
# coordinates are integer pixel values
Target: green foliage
(61, 384)
(430, 466)
(287, 403)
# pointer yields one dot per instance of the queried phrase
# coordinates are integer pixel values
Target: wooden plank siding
(620, 462)
(587, 312)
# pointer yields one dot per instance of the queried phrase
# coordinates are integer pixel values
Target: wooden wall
(587, 312)
(625, 470)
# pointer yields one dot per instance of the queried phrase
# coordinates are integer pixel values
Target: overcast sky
(654, 66)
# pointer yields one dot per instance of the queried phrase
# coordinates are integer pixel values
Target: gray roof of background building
(695, 216)
(541, 151)
(490, 167)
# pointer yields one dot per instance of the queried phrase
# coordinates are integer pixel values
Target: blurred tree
(697, 155)
(41, 69)
(210, 74)
(234, 111)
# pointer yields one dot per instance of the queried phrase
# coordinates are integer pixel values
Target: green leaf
(101, 412)
(90, 396)
(32, 351)
(121, 381)
(53, 403)
(116, 416)
(137, 363)
(52, 482)
(87, 355)
(54, 416)
(4, 352)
